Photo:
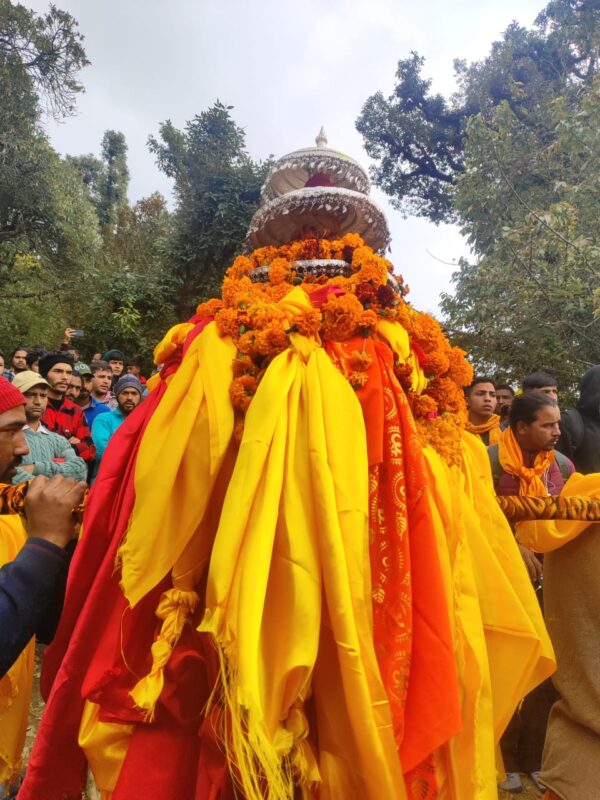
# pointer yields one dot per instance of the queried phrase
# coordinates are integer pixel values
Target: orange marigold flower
(277, 293)
(210, 308)
(368, 319)
(443, 434)
(359, 360)
(308, 323)
(263, 255)
(372, 272)
(279, 270)
(358, 379)
(243, 365)
(263, 315)
(459, 368)
(239, 394)
(341, 316)
(237, 291)
(227, 322)
(404, 374)
(271, 341)
(437, 362)
(245, 343)
(240, 267)
(423, 406)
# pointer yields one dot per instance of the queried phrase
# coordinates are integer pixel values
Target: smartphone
(77, 332)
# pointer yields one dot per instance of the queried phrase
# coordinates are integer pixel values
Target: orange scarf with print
(511, 460)
(492, 426)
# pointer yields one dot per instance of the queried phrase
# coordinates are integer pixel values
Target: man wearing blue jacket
(32, 583)
(128, 392)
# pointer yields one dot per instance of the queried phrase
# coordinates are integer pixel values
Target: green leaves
(217, 186)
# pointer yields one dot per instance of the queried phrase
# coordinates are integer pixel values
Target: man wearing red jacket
(63, 415)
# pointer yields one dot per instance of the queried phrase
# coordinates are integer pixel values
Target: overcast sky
(287, 68)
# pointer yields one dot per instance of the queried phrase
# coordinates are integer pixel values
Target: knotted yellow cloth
(492, 426)
(511, 460)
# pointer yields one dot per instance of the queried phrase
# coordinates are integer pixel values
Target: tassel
(174, 608)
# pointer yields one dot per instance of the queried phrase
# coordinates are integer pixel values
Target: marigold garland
(343, 307)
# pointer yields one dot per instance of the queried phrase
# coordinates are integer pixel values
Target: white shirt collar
(41, 429)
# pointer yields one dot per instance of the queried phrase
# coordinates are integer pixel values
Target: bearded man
(63, 416)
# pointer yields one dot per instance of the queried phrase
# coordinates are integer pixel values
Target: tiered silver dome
(317, 192)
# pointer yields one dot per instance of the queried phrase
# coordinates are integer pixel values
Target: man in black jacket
(32, 584)
(580, 426)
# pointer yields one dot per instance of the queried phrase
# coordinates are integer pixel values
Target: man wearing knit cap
(128, 391)
(33, 569)
(116, 360)
(49, 453)
(63, 416)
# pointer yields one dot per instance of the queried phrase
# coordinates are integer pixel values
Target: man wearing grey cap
(128, 391)
(49, 453)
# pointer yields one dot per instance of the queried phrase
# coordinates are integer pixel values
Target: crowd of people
(534, 450)
(57, 416)
(72, 408)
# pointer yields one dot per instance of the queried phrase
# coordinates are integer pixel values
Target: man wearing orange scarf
(524, 462)
(481, 402)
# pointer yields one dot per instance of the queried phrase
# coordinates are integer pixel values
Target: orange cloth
(511, 460)
(411, 626)
(492, 426)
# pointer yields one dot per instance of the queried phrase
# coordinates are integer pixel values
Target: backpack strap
(564, 465)
(495, 463)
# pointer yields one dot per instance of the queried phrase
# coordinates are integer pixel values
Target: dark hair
(77, 374)
(34, 355)
(525, 407)
(16, 350)
(479, 379)
(100, 366)
(505, 386)
(537, 380)
(50, 360)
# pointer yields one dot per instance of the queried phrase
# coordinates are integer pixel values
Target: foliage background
(73, 251)
(513, 158)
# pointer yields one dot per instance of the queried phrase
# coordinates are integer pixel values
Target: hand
(74, 440)
(49, 508)
(534, 566)
(28, 467)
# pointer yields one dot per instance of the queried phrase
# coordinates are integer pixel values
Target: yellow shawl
(511, 460)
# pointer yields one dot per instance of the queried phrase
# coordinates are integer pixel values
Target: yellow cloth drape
(288, 578)
(492, 426)
(497, 622)
(181, 453)
(399, 341)
(105, 746)
(511, 460)
(546, 535)
(15, 686)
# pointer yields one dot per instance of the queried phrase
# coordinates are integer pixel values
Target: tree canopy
(217, 189)
(512, 157)
(417, 138)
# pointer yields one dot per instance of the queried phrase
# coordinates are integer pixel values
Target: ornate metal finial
(321, 139)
